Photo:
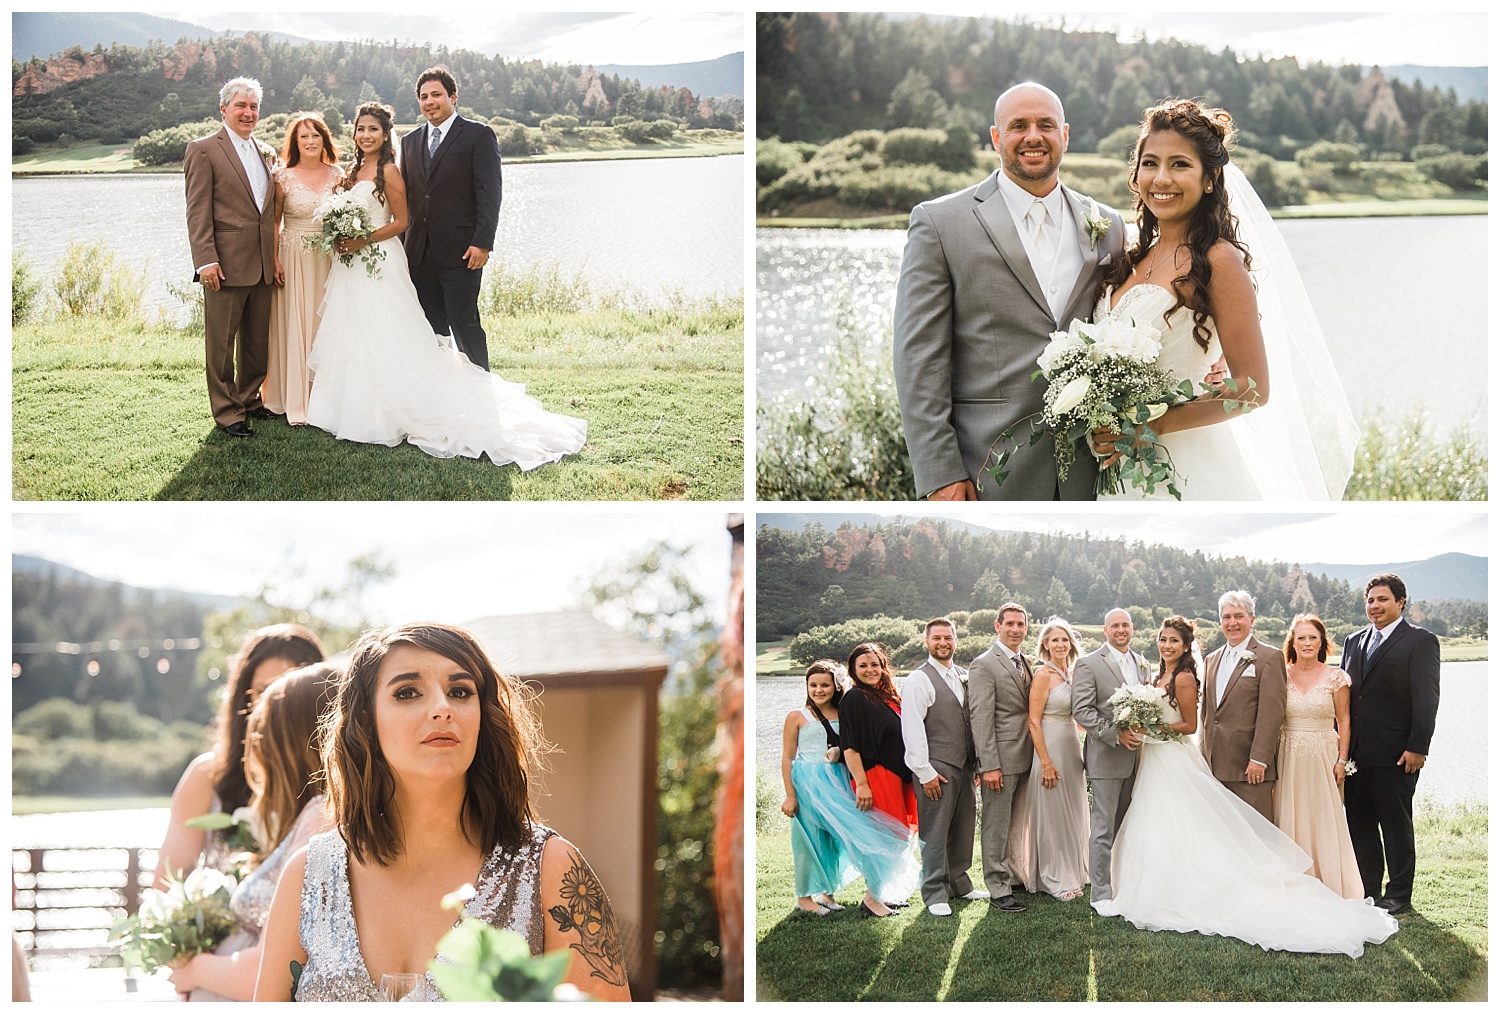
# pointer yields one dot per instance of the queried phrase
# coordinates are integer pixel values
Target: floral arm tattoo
(587, 911)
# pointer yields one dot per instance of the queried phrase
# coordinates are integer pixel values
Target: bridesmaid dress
(1055, 856)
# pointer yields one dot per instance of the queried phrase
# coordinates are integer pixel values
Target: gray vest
(949, 738)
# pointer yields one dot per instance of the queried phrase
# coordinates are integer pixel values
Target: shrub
(837, 640)
(21, 145)
(1459, 171)
(1276, 184)
(914, 146)
(1405, 461)
(898, 188)
(160, 147)
(774, 160)
(566, 124)
(1119, 143)
(1343, 158)
(517, 142)
(635, 131)
(535, 289)
(91, 282)
(844, 440)
(25, 288)
(53, 719)
(1422, 151)
(661, 130)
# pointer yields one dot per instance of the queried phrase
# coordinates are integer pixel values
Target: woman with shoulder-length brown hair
(215, 781)
(284, 769)
(308, 173)
(428, 751)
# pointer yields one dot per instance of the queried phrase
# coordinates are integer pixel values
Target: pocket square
(1249, 672)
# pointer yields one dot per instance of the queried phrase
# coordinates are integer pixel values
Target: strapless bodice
(1180, 352)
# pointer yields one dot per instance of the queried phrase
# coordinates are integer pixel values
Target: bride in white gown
(1200, 222)
(1191, 856)
(381, 376)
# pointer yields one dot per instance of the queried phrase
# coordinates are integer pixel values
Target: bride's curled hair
(1211, 133)
(1187, 630)
(386, 117)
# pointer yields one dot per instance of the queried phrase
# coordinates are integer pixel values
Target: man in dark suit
(452, 170)
(1393, 701)
(232, 234)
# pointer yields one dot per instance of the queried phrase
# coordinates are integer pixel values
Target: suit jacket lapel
(1385, 643)
(233, 154)
(994, 216)
(1114, 667)
(454, 126)
(1244, 662)
(1085, 283)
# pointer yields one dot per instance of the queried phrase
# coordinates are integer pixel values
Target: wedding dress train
(380, 375)
(1191, 856)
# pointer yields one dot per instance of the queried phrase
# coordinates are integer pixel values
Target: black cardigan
(868, 726)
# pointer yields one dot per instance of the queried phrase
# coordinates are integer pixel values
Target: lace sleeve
(1338, 679)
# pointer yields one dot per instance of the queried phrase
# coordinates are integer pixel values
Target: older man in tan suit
(232, 231)
(1244, 702)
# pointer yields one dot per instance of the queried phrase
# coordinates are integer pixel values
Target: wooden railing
(65, 900)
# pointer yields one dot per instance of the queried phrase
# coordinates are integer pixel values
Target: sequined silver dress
(251, 901)
(508, 895)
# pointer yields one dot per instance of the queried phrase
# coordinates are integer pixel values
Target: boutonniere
(1097, 221)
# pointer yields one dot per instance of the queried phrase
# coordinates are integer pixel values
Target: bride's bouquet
(1141, 706)
(1105, 375)
(191, 916)
(345, 217)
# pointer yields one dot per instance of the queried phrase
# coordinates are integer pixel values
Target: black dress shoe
(867, 910)
(1393, 906)
(239, 429)
(1007, 904)
(261, 412)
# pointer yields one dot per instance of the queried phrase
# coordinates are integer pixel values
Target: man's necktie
(1041, 238)
(434, 138)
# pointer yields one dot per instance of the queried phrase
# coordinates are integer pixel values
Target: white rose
(1062, 341)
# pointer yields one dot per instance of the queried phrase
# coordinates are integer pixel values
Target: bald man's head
(1031, 135)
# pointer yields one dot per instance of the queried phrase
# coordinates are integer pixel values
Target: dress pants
(1110, 798)
(450, 299)
(946, 827)
(1258, 796)
(1000, 816)
(1377, 802)
(236, 332)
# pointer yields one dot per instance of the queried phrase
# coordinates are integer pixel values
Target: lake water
(1402, 301)
(1457, 768)
(651, 225)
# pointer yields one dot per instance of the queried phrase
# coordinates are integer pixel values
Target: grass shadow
(1046, 957)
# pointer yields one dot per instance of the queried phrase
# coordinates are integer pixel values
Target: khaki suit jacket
(1246, 724)
(224, 225)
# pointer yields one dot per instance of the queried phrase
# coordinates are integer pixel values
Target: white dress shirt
(917, 695)
(1058, 277)
(1126, 661)
(442, 132)
(1223, 672)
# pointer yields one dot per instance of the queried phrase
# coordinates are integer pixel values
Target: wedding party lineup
(749, 507)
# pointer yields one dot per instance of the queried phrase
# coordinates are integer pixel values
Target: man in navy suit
(1393, 701)
(452, 171)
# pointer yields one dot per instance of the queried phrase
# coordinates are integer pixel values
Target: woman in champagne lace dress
(428, 752)
(309, 171)
(1314, 746)
(282, 766)
(1054, 856)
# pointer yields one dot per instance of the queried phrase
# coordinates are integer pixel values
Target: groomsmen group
(968, 728)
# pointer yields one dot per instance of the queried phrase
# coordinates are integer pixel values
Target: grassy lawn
(771, 658)
(1061, 951)
(106, 410)
(20, 805)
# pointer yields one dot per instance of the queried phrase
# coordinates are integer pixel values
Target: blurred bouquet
(1141, 706)
(191, 916)
(344, 216)
(478, 963)
(239, 828)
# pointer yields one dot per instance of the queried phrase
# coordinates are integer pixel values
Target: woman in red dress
(870, 735)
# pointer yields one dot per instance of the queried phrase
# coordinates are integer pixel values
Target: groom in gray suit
(1108, 753)
(988, 274)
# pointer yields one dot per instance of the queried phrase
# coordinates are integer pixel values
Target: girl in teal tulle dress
(833, 841)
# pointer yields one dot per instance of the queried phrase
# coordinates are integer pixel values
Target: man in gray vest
(1108, 753)
(1000, 694)
(940, 753)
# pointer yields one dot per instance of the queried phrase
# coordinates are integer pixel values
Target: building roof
(562, 643)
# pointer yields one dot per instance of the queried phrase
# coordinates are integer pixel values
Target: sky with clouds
(1357, 534)
(454, 562)
(613, 37)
